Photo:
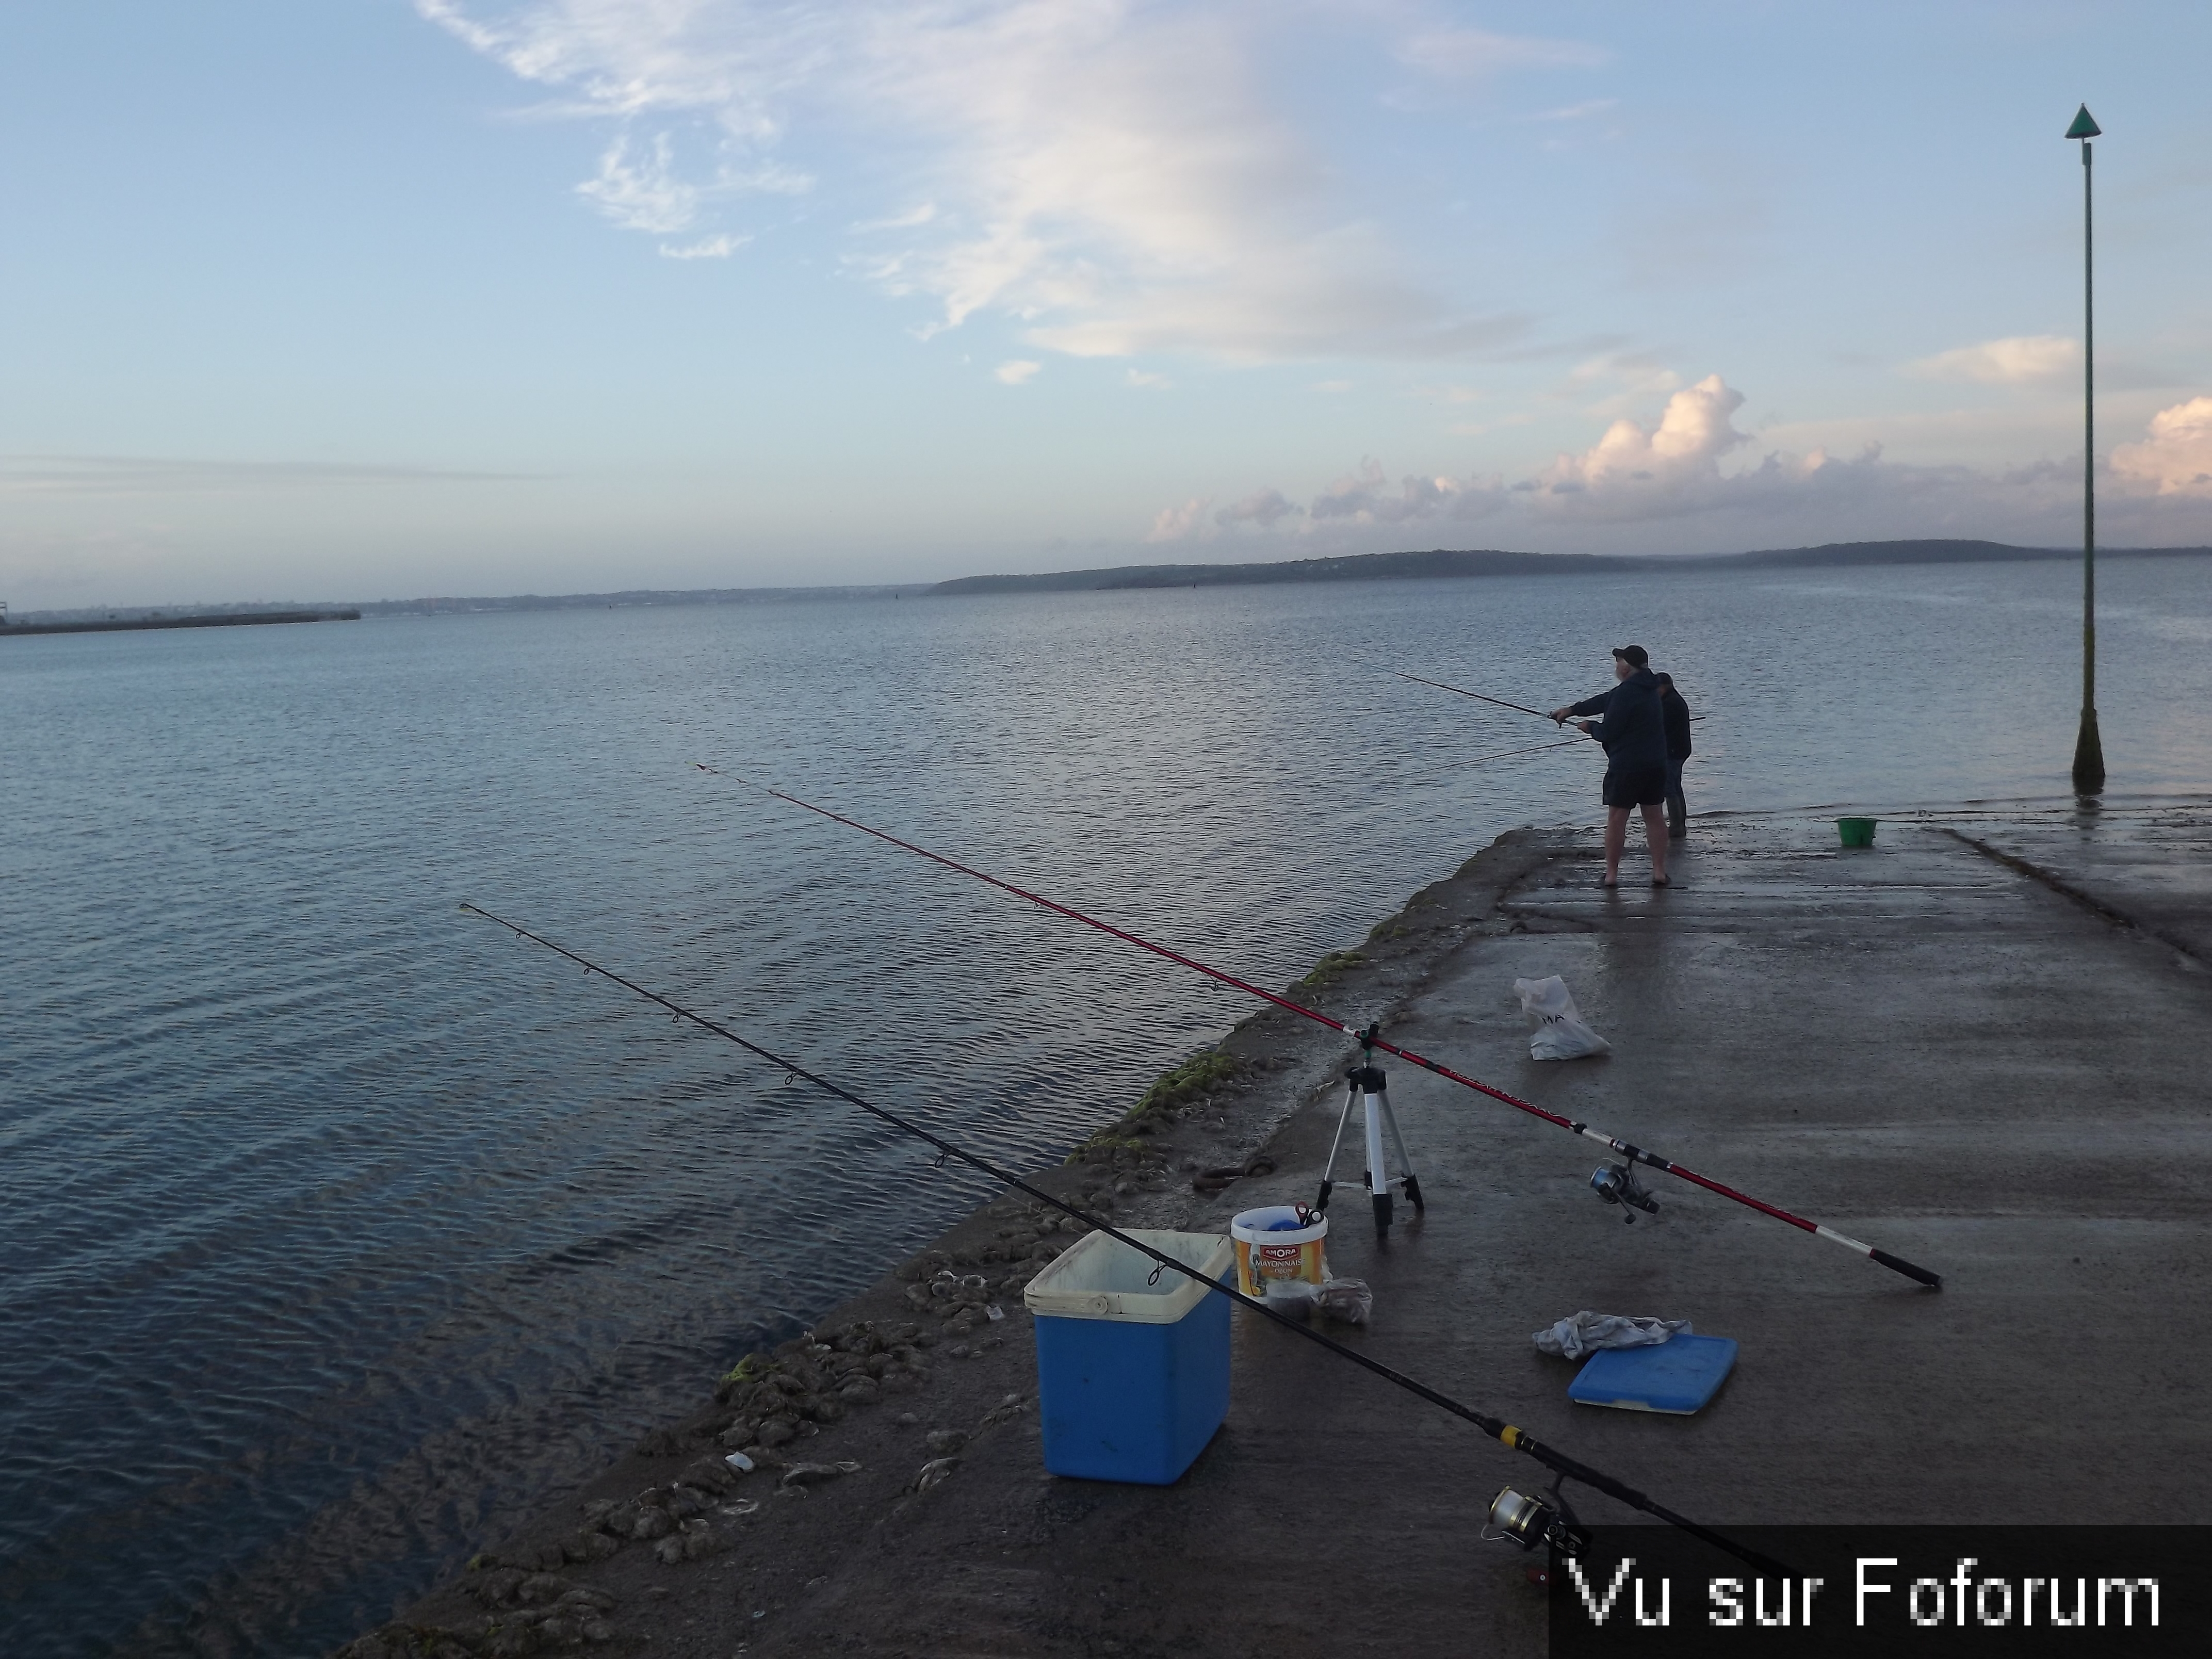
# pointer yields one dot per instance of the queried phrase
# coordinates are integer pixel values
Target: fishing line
(1369, 1037)
(1520, 1440)
(1479, 760)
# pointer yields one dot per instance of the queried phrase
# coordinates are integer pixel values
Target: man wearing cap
(1634, 732)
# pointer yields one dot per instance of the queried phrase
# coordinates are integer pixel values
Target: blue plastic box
(1132, 1377)
(1678, 1376)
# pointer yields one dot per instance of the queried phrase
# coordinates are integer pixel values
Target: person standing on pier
(1633, 731)
(1677, 722)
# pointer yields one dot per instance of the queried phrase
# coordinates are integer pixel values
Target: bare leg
(1616, 837)
(1654, 831)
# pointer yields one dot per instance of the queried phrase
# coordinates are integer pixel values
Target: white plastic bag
(1560, 1033)
(1347, 1299)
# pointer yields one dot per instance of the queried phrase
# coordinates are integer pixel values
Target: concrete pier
(1982, 1044)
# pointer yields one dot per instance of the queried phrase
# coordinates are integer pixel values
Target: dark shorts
(1635, 785)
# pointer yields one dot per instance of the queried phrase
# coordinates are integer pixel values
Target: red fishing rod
(1616, 1184)
(1540, 1524)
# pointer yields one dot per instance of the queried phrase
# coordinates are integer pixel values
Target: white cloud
(1175, 523)
(1017, 372)
(1264, 509)
(1465, 53)
(147, 475)
(2176, 458)
(1583, 111)
(1144, 381)
(2017, 360)
(707, 247)
(638, 189)
(1366, 497)
(1689, 471)
(1682, 452)
(1120, 177)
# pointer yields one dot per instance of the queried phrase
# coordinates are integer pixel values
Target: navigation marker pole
(2089, 747)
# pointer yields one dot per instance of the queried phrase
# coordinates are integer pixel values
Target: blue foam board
(1678, 1376)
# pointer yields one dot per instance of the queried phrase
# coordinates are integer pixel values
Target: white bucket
(1263, 1254)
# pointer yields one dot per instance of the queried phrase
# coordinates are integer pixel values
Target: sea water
(339, 1225)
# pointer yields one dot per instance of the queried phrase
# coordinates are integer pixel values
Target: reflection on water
(339, 1224)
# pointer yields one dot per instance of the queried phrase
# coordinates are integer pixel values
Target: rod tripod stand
(1364, 1084)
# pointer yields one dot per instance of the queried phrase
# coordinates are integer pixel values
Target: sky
(374, 299)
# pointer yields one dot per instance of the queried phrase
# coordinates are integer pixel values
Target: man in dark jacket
(1634, 733)
(1677, 715)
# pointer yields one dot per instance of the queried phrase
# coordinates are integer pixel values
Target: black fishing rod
(1518, 708)
(1520, 1440)
(1623, 1179)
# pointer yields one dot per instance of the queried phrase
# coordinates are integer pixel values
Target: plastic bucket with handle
(1281, 1242)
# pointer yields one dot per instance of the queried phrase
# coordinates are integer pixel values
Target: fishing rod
(1616, 1184)
(1519, 707)
(1514, 1439)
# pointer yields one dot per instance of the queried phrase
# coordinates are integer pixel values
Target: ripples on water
(337, 1225)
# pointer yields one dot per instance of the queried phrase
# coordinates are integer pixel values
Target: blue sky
(373, 298)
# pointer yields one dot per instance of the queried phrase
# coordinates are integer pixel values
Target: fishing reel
(1616, 1184)
(1531, 1522)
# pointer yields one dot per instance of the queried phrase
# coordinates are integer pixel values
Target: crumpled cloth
(1586, 1331)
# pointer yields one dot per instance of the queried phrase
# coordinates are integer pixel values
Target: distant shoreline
(1442, 563)
(1437, 563)
(142, 624)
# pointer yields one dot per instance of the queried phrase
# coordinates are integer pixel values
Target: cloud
(1017, 372)
(709, 247)
(1262, 509)
(1463, 54)
(141, 474)
(1693, 469)
(1121, 177)
(1643, 466)
(1583, 111)
(638, 189)
(1144, 381)
(1175, 524)
(1366, 497)
(2176, 458)
(2019, 359)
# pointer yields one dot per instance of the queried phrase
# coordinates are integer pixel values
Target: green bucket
(1856, 832)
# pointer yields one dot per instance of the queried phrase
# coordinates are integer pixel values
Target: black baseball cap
(1634, 656)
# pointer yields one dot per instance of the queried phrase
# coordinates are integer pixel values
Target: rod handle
(1899, 1264)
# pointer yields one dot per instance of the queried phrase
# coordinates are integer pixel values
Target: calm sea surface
(336, 1225)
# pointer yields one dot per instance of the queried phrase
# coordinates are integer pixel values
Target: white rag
(1583, 1333)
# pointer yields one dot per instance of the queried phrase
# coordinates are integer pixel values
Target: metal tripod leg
(1329, 1170)
(1398, 1140)
(1378, 1172)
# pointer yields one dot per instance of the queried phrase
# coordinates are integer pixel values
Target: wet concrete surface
(1913, 1044)
(2144, 863)
(1917, 1044)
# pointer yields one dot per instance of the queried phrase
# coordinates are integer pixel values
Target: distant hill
(1353, 567)
(1491, 562)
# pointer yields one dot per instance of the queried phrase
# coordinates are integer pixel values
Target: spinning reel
(1616, 1184)
(1533, 1521)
